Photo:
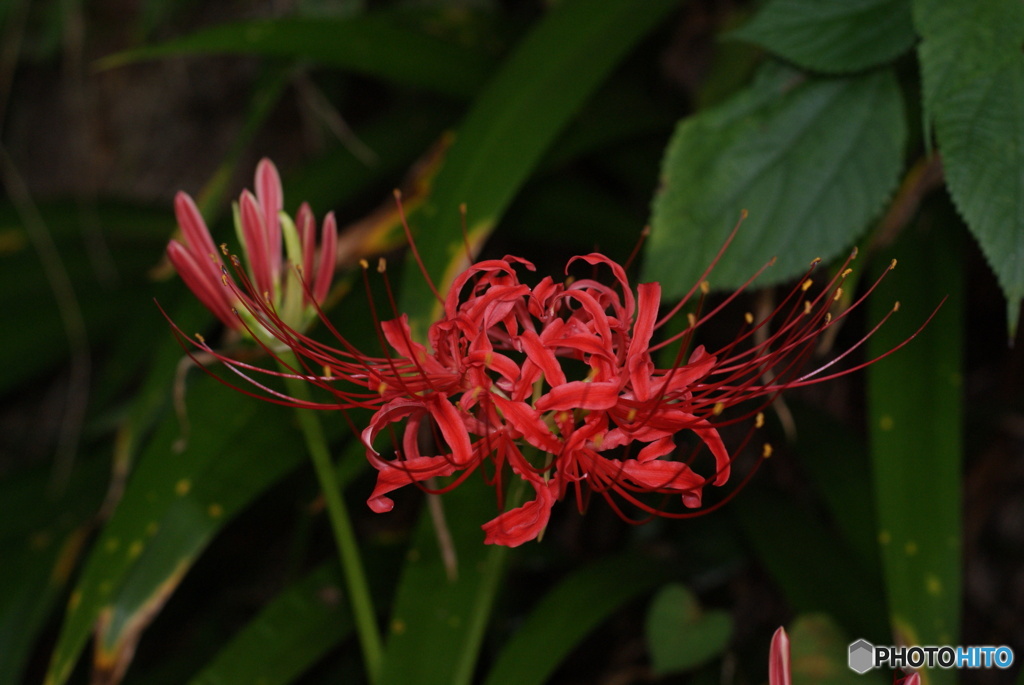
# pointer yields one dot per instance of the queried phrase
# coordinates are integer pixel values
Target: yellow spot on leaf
(933, 585)
(74, 600)
(112, 545)
(135, 549)
(910, 548)
(215, 510)
(886, 423)
(884, 538)
(152, 528)
(398, 626)
(183, 486)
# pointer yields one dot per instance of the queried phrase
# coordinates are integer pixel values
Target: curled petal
(528, 423)
(524, 523)
(580, 395)
(396, 473)
(664, 476)
(638, 359)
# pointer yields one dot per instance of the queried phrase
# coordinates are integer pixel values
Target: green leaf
(371, 44)
(567, 614)
(680, 635)
(173, 505)
(813, 160)
(973, 80)
(513, 122)
(915, 411)
(832, 37)
(288, 636)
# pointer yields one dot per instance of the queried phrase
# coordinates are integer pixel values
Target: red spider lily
(912, 679)
(557, 384)
(261, 227)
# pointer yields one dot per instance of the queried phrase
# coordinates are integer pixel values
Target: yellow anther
(766, 451)
(759, 420)
(382, 388)
(363, 263)
(691, 319)
(597, 440)
(806, 284)
(896, 306)
(705, 287)
(200, 338)
(718, 408)
(382, 265)
(327, 372)
(224, 249)
(224, 279)
(266, 296)
(892, 265)
(816, 261)
(847, 272)
(631, 415)
(828, 317)
(749, 318)
(839, 293)
(744, 214)
(853, 254)
(807, 307)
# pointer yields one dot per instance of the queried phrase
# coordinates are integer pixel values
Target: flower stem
(363, 613)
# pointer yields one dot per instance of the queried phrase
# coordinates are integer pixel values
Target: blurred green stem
(344, 536)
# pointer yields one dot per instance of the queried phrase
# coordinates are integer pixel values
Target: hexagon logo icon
(862, 655)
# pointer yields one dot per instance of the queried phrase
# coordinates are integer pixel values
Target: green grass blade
(915, 414)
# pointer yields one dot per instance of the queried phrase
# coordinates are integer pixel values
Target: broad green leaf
(371, 44)
(832, 37)
(973, 79)
(288, 636)
(567, 614)
(915, 411)
(819, 654)
(513, 122)
(815, 569)
(813, 160)
(681, 635)
(173, 505)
